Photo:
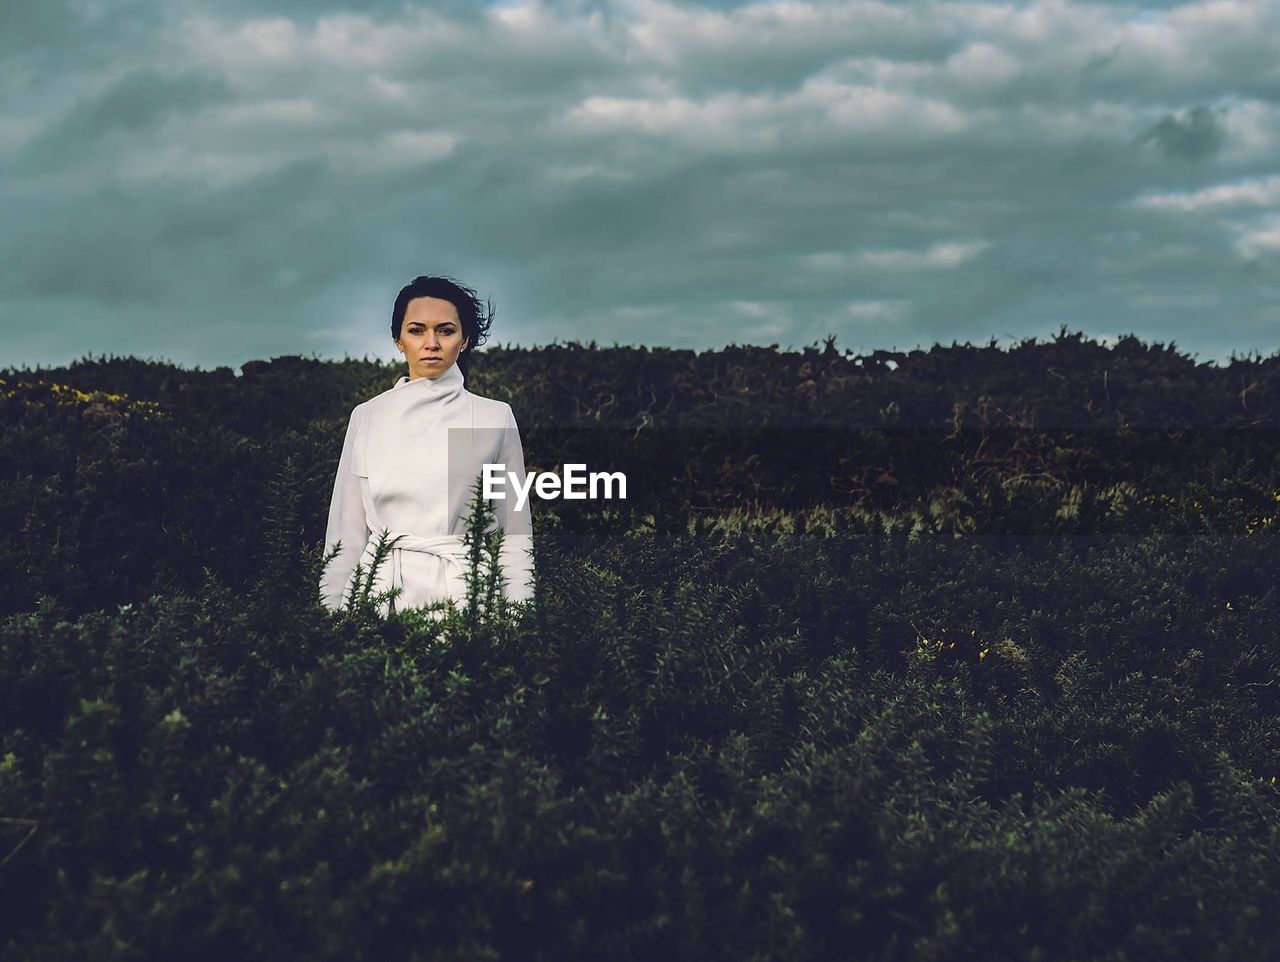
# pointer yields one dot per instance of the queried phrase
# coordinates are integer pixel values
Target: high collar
(446, 386)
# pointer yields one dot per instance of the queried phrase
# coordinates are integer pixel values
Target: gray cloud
(1197, 135)
(133, 106)
(214, 183)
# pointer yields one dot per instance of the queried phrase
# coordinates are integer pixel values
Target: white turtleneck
(409, 459)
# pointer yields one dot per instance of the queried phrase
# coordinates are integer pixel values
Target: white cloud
(750, 321)
(672, 35)
(1253, 131)
(1260, 241)
(866, 108)
(887, 310)
(394, 151)
(526, 16)
(821, 111)
(193, 166)
(944, 255)
(982, 65)
(941, 256)
(1257, 192)
(294, 111)
(730, 120)
(347, 42)
(573, 173)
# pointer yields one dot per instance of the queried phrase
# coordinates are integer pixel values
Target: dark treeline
(1070, 381)
(948, 654)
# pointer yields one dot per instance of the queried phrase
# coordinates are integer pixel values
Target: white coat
(409, 460)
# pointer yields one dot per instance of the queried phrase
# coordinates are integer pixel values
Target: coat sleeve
(346, 522)
(516, 557)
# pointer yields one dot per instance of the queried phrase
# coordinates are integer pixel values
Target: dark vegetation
(961, 654)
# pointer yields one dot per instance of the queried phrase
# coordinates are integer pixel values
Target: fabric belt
(450, 548)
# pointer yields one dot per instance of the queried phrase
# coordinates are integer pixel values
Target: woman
(411, 458)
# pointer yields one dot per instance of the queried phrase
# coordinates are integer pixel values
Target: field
(961, 654)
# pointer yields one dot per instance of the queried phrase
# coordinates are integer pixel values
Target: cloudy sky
(213, 182)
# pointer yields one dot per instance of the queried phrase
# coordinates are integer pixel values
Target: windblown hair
(475, 318)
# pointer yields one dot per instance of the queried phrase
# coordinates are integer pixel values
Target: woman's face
(430, 337)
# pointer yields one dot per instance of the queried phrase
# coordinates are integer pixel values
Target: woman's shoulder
(488, 402)
(359, 415)
(378, 400)
(489, 409)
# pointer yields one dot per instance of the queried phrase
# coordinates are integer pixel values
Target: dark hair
(475, 319)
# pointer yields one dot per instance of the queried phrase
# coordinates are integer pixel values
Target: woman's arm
(516, 556)
(346, 524)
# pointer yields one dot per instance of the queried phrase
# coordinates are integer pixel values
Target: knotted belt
(448, 547)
